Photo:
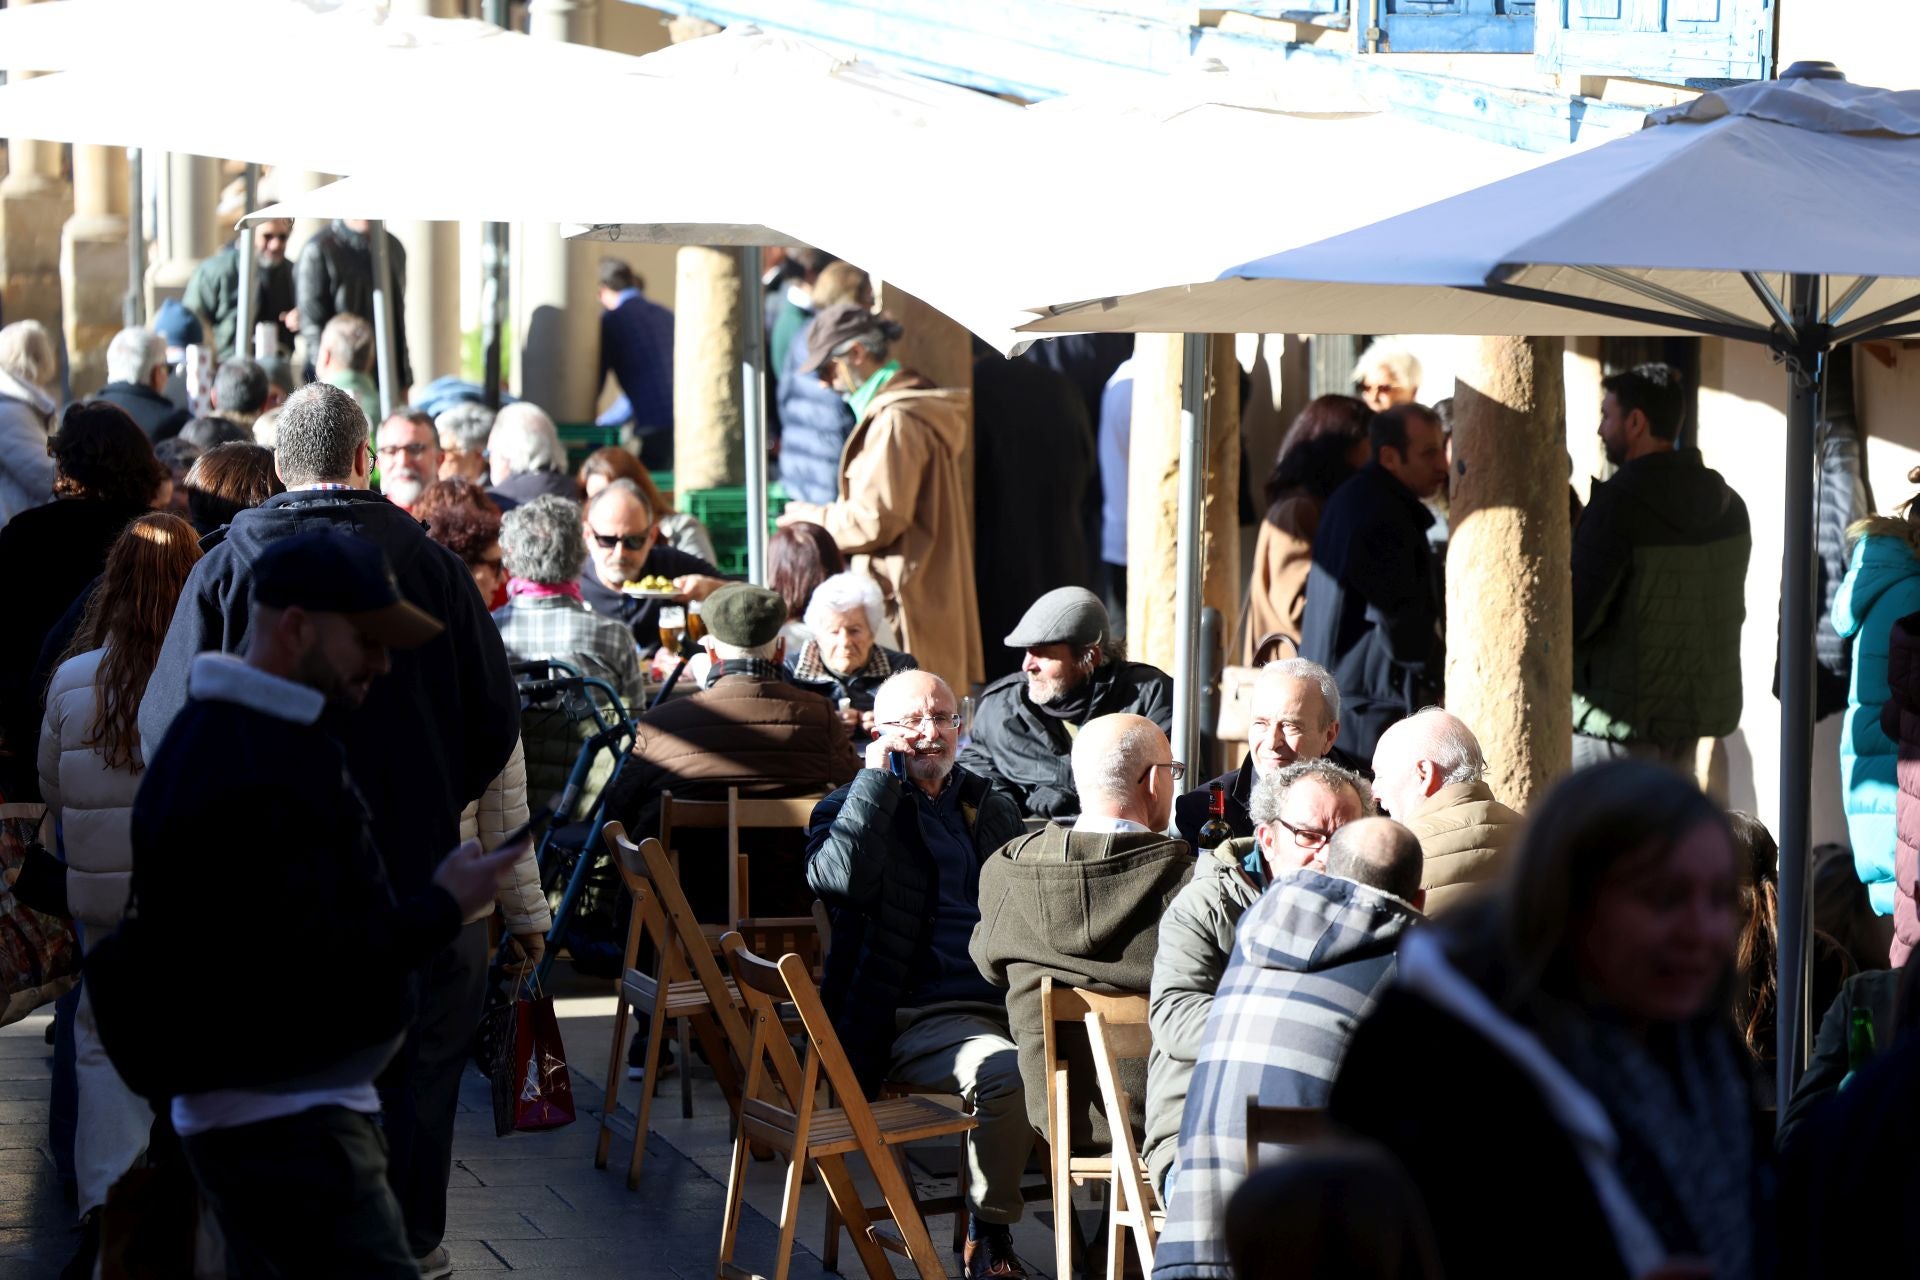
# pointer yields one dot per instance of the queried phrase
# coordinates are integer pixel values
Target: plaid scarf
(811, 668)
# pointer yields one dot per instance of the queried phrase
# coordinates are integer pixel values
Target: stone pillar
(1153, 493)
(93, 263)
(432, 286)
(190, 190)
(1509, 595)
(707, 430)
(35, 203)
(555, 291)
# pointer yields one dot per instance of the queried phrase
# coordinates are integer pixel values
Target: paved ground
(526, 1202)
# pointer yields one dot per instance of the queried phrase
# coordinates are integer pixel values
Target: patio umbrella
(1778, 213)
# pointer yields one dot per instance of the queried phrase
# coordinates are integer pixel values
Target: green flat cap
(743, 615)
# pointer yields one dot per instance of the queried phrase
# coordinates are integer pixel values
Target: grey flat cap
(1065, 615)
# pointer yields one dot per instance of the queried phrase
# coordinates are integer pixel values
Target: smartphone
(897, 764)
(525, 829)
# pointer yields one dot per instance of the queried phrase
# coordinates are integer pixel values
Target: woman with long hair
(90, 767)
(801, 556)
(1572, 1031)
(1326, 444)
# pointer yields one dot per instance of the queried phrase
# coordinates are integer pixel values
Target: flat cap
(842, 322)
(1065, 615)
(743, 615)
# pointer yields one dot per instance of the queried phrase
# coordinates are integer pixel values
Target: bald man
(896, 856)
(1429, 773)
(1313, 955)
(1082, 904)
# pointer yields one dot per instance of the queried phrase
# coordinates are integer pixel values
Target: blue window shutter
(1458, 26)
(1681, 42)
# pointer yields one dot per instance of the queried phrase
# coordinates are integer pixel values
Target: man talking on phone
(256, 875)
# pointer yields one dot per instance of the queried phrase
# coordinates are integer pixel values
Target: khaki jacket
(1463, 833)
(902, 515)
(1282, 554)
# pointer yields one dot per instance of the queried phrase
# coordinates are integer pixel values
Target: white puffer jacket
(94, 803)
(523, 908)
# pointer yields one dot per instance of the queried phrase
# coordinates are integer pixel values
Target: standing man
(335, 277)
(429, 740)
(214, 292)
(1293, 715)
(1429, 773)
(255, 858)
(636, 347)
(902, 512)
(408, 451)
(1659, 586)
(896, 856)
(1375, 607)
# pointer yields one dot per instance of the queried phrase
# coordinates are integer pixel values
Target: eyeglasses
(631, 541)
(1305, 837)
(937, 719)
(1175, 769)
(415, 450)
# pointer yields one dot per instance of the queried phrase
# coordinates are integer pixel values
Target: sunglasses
(631, 541)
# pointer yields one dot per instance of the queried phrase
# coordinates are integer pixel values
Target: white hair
(525, 436)
(133, 354)
(1305, 669)
(724, 652)
(1444, 739)
(465, 427)
(843, 593)
(1389, 357)
(1109, 769)
(26, 352)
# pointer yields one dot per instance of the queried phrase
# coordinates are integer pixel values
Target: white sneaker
(436, 1265)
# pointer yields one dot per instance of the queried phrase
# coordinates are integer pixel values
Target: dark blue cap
(327, 571)
(176, 325)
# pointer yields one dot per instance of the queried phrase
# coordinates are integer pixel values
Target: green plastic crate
(723, 511)
(582, 438)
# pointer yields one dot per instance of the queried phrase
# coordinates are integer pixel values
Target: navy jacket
(152, 412)
(814, 424)
(636, 346)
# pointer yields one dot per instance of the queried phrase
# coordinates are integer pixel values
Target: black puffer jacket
(868, 861)
(335, 275)
(1025, 750)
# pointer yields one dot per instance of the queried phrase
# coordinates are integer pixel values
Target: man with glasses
(214, 292)
(1296, 810)
(1083, 904)
(896, 856)
(623, 545)
(407, 450)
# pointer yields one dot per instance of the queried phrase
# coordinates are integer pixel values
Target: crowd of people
(260, 673)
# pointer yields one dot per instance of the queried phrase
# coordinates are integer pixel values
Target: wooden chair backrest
(647, 922)
(770, 935)
(1288, 1126)
(825, 1055)
(1061, 1004)
(1111, 1041)
(770, 1057)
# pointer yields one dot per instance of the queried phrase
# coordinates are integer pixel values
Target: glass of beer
(673, 626)
(696, 626)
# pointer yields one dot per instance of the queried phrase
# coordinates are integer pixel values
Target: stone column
(555, 291)
(1509, 595)
(1153, 493)
(35, 203)
(188, 233)
(432, 286)
(707, 431)
(93, 263)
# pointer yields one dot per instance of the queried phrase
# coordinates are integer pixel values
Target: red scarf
(541, 590)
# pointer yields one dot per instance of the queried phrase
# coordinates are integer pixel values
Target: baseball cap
(842, 322)
(327, 571)
(176, 325)
(1065, 615)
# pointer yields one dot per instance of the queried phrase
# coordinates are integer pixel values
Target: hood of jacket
(360, 511)
(1882, 558)
(12, 388)
(1309, 922)
(1675, 489)
(1078, 894)
(942, 409)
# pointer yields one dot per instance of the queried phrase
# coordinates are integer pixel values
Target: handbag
(1236, 687)
(39, 954)
(531, 1088)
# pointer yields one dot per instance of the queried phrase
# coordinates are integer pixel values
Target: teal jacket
(1882, 586)
(1659, 596)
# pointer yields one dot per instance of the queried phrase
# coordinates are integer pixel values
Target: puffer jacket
(1196, 941)
(1463, 833)
(1025, 750)
(869, 862)
(93, 802)
(1882, 585)
(814, 425)
(26, 470)
(523, 908)
(1900, 720)
(1084, 909)
(1311, 958)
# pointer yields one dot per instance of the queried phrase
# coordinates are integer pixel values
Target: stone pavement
(529, 1202)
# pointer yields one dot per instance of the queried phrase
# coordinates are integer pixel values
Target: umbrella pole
(245, 287)
(1804, 362)
(383, 316)
(134, 309)
(753, 409)
(1189, 667)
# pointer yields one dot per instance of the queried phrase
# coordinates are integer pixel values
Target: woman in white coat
(90, 766)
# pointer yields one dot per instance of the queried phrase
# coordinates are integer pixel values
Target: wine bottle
(1860, 1044)
(1215, 832)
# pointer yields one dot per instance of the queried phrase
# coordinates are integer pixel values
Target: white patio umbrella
(1779, 213)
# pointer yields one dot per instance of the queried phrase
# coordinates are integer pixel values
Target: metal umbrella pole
(134, 309)
(493, 272)
(247, 288)
(388, 358)
(753, 409)
(1190, 567)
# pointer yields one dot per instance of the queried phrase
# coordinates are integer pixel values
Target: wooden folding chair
(678, 815)
(794, 1122)
(685, 989)
(1120, 1031)
(1059, 1006)
(767, 935)
(1286, 1126)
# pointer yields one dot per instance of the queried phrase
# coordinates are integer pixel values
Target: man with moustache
(896, 856)
(407, 450)
(214, 292)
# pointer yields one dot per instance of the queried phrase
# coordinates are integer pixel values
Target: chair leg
(897, 1192)
(615, 1070)
(960, 1210)
(736, 1197)
(789, 1216)
(846, 1202)
(686, 1071)
(643, 1115)
(1116, 1234)
(1064, 1229)
(830, 1241)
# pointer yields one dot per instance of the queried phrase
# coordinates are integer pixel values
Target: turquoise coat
(1882, 586)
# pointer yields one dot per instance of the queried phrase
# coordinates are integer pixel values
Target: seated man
(1074, 670)
(1294, 715)
(1312, 957)
(1428, 772)
(1082, 905)
(624, 543)
(1295, 810)
(896, 857)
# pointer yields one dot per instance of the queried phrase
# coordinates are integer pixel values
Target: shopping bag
(39, 955)
(531, 1088)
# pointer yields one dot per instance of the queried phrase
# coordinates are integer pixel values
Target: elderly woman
(526, 456)
(28, 373)
(845, 661)
(544, 616)
(1387, 374)
(464, 519)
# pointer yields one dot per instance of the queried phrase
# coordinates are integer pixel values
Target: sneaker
(989, 1253)
(436, 1265)
(637, 1061)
